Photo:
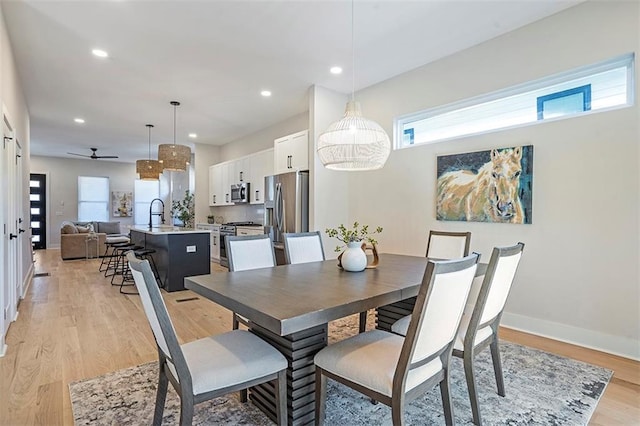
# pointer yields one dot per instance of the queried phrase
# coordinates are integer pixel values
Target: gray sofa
(73, 238)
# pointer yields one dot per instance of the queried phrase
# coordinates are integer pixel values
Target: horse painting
(485, 192)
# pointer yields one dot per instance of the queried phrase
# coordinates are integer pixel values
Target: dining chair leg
(471, 386)
(281, 399)
(235, 323)
(321, 396)
(447, 404)
(161, 395)
(362, 326)
(497, 365)
(397, 411)
(186, 410)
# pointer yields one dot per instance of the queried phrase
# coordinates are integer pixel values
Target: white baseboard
(3, 350)
(27, 281)
(54, 246)
(609, 343)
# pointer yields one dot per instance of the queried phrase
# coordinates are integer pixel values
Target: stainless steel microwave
(240, 193)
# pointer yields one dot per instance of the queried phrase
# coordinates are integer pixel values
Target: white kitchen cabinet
(260, 165)
(219, 186)
(249, 230)
(214, 243)
(291, 152)
(239, 170)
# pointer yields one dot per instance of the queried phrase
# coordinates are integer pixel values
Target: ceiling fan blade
(79, 155)
(107, 156)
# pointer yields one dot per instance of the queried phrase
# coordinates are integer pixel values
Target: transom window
(594, 88)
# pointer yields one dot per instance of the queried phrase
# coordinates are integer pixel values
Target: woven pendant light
(149, 169)
(353, 143)
(174, 157)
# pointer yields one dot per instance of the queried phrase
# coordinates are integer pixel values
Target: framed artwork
(122, 203)
(486, 186)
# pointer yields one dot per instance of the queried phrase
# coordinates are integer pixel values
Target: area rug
(542, 389)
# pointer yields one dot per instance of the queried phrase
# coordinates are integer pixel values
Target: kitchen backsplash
(240, 213)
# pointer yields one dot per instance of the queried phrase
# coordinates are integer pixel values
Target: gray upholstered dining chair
(393, 369)
(448, 245)
(480, 329)
(304, 247)
(206, 368)
(247, 252)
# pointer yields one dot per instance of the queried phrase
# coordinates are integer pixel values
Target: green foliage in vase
(184, 209)
(356, 234)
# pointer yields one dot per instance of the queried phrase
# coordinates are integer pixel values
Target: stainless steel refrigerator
(286, 204)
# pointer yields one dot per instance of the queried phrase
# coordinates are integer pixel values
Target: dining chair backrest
(303, 247)
(439, 306)
(448, 245)
(250, 252)
(158, 316)
(498, 280)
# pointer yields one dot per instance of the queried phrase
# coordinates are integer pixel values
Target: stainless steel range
(226, 230)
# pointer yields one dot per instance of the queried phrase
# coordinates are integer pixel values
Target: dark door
(38, 198)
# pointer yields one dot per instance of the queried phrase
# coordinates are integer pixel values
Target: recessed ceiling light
(266, 93)
(193, 135)
(100, 53)
(335, 70)
(79, 120)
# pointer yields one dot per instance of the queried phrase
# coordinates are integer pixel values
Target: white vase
(354, 258)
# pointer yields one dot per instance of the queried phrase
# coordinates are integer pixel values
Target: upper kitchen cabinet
(261, 165)
(219, 186)
(292, 152)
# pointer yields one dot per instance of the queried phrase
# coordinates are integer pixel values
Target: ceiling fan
(93, 155)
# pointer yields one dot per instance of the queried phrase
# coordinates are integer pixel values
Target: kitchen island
(179, 252)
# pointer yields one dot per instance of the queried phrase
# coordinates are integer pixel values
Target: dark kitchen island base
(178, 254)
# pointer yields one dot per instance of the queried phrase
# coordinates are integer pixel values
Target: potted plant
(353, 258)
(184, 209)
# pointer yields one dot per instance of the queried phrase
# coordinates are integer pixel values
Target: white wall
(579, 279)
(204, 156)
(329, 189)
(264, 138)
(13, 102)
(63, 188)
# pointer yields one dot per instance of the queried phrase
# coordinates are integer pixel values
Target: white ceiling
(215, 57)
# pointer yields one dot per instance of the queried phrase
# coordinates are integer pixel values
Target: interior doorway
(37, 201)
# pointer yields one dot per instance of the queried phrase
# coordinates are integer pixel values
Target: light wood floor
(73, 325)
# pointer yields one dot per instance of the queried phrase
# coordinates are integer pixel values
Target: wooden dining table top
(288, 299)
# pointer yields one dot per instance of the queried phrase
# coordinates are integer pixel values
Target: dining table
(290, 306)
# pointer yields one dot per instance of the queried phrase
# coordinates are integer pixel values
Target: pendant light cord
(353, 53)
(174, 123)
(149, 126)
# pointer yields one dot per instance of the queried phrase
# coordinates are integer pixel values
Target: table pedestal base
(299, 350)
(388, 314)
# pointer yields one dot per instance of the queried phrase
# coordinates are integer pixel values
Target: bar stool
(145, 253)
(121, 266)
(109, 258)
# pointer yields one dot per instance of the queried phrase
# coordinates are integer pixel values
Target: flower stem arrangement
(353, 258)
(184, 209)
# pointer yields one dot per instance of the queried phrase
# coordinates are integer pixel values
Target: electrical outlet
(58, 213)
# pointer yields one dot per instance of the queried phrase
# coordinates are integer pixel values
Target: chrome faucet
(161, 213)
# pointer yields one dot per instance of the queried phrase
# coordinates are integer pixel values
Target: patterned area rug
(542, 389)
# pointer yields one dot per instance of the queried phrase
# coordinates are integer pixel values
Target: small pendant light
(353, 143)
(149, 169)
(174, 157)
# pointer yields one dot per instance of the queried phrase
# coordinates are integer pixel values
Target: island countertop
(166, 229)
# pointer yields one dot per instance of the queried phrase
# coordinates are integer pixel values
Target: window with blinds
(600, 87)
(93, 198)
